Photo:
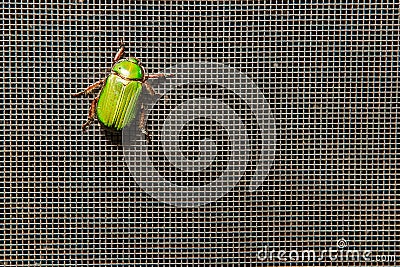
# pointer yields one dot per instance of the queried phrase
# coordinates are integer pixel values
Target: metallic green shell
(129, 68)
(117, 102)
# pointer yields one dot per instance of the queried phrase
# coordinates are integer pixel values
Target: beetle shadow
(113, 137)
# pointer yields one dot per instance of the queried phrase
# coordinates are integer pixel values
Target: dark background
(329, 71)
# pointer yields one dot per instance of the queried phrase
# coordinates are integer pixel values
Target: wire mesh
(330, 73)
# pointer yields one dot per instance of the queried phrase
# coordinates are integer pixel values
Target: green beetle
(116, 102)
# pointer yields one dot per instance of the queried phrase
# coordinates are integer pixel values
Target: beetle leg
(90, 88)
(92, 112)
(120, 52)
(142, 123)
(150, 88)
(154, 76)
(158, 75)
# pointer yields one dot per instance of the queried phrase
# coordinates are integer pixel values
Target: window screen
(274, 143)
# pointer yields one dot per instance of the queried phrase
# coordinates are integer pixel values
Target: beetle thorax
(129, 70)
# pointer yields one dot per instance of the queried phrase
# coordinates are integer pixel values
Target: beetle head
(129, 68)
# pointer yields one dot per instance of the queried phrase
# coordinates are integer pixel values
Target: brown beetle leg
(91, 88)
(142, 123)
(92, 112)
(154, 76)
(150, 88)
(158, 75)
(120, 52)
